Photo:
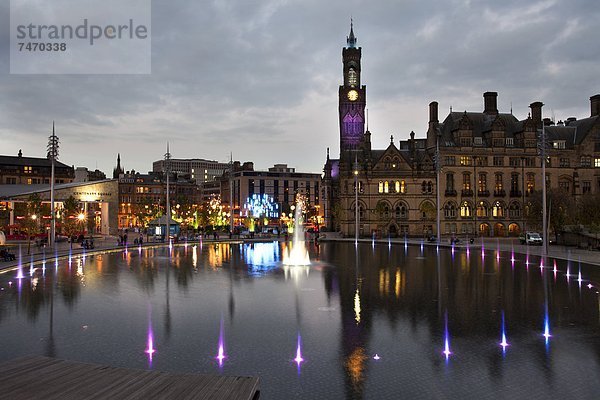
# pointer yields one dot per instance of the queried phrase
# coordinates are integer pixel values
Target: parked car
(532, 238)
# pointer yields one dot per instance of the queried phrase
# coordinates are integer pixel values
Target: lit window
(380, 186)
(465, 210)
(386, 187)
(597, 162)
(352, 77)
(465, 160)
(27, 170)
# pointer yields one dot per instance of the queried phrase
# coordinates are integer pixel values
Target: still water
(366, 322)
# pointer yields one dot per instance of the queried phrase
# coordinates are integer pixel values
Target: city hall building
(488, 160)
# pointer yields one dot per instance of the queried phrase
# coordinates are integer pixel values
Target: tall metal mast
(53, 155)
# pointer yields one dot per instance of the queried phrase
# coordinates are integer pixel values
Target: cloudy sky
(259, 78)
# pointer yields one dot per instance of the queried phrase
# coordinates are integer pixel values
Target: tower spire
(351, 39)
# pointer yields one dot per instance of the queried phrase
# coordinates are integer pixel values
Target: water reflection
(408, 303)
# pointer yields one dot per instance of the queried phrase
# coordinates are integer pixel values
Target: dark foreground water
(372, 322)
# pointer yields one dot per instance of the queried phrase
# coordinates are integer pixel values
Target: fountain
(298, 254)
(220, 357)
(299, 360)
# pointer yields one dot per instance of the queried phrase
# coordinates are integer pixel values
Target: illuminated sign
(261, 206)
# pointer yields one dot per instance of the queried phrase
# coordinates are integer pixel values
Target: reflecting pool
(373, 321)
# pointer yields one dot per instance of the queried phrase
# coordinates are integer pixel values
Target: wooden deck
(39, 377)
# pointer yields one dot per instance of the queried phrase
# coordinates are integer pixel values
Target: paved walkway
(504, 244)
(110, 243)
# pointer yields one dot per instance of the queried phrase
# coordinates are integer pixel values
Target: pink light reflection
(299, 360)
(150, 346)
(221, 352)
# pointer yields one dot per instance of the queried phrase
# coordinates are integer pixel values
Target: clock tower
(352, 99)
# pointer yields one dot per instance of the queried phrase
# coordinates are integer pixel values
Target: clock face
(352, 95)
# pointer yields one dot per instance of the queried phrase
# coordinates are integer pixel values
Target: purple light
(221, 355)
(376, 357)
(579, 277)
(446, 351)
(221, 352)
(150, 346)
(503, 342)
(498, 255)
(452, 250)
(468, 251)
(568, 273)
(20, 273)
(421, 247)
(590, 286)
(298, 360)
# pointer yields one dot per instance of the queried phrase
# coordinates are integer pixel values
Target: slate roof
(30, 161)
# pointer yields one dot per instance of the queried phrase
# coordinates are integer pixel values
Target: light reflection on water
(351, 306)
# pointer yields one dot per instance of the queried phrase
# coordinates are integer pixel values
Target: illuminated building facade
(489, 167)
(280, 182)
(143, 195)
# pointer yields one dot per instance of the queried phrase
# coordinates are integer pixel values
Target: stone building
(396, 186)
(489, 165)
(19, 170)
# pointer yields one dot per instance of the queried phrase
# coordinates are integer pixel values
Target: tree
(31, 223)
(337, 213)
(588, 209)
(560, 206)
(70, 224)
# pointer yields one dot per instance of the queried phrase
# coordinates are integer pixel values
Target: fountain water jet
(221, 351)
(299, 360)
(298, 255)
(503, 342)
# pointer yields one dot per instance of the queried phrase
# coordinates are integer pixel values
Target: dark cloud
(259, 78)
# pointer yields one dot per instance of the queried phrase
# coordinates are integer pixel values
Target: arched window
(401, 212)
(403, 188)
(386, 187)
(423, 187)
(397, 186)
(380, 186)
(450, 210)
(498, 210)
(514, 210)
(429, 187)
(465, 210)
(352, 77)
(482, 209)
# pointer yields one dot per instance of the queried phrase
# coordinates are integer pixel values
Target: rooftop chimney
(595, 105)
(490, 103)
(433, 111)
(536, 113)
